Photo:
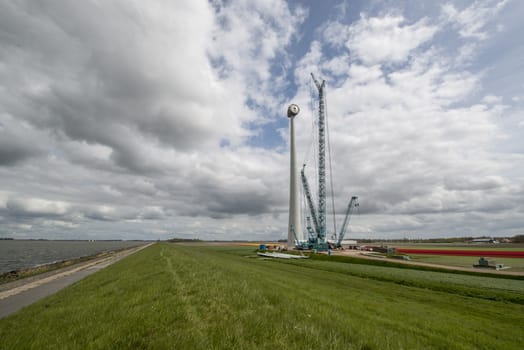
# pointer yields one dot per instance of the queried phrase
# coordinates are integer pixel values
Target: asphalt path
(18, 294)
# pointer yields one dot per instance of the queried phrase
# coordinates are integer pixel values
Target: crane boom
(352, 204)
(310, 204)
(321, 162)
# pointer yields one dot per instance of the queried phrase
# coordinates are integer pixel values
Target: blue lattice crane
(321, 234)
(317, 234)
(309, 201)
(353, 203)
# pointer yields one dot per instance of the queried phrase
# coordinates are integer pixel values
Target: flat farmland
(466, 255)
(462, 246)
(171, 296)
(515, 264)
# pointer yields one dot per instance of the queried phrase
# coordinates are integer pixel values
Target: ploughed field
(171, 296)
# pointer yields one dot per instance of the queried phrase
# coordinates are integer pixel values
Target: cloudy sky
(159, 119)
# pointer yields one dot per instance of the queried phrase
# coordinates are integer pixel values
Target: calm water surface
(20, 254)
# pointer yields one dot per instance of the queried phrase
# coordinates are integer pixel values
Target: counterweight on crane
(312, 236)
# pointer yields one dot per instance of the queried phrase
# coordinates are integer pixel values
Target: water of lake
(21, 254)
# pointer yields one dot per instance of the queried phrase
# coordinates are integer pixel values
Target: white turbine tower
(295, 223)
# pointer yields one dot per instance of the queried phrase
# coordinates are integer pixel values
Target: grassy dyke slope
(206, 297)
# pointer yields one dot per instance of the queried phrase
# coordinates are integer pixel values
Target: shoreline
(43, 270)
(23, 292)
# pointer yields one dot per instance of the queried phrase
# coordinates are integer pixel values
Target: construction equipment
(317, 234)
(353, 203)
(309, 200)
(321, 162)
(297, 241)
(490, 264)
(310, 231)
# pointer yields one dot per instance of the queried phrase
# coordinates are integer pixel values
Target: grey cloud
(114, 213)
(226, 202)
(32, 207)
(141, 186)
(223, 200)
(107, 88)
(15, 150)
(152, 213)
(91, 156)
(99, 216)
(19, 142)
(133, 161)
(472, 184)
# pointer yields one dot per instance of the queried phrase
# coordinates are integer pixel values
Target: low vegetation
(171, 296)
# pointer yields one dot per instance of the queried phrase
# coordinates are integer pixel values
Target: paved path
(21, 293)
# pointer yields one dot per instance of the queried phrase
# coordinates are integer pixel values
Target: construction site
(315, 236)
(307, 226)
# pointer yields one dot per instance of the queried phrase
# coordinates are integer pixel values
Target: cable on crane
(312, 137)
(330, 168)
(312, 97)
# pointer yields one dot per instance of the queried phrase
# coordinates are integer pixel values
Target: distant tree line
(177, 240)
(518, 239)
(514, 239)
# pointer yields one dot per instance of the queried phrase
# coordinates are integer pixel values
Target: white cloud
(472, 20)
(247, 39)
(491, 99)
(385, 39)
(309, 63)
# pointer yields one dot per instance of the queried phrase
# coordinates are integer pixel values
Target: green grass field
(172, 296)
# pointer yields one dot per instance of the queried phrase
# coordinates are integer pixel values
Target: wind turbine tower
(295, 223)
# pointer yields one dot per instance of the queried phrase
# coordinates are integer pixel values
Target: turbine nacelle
(293, 110)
